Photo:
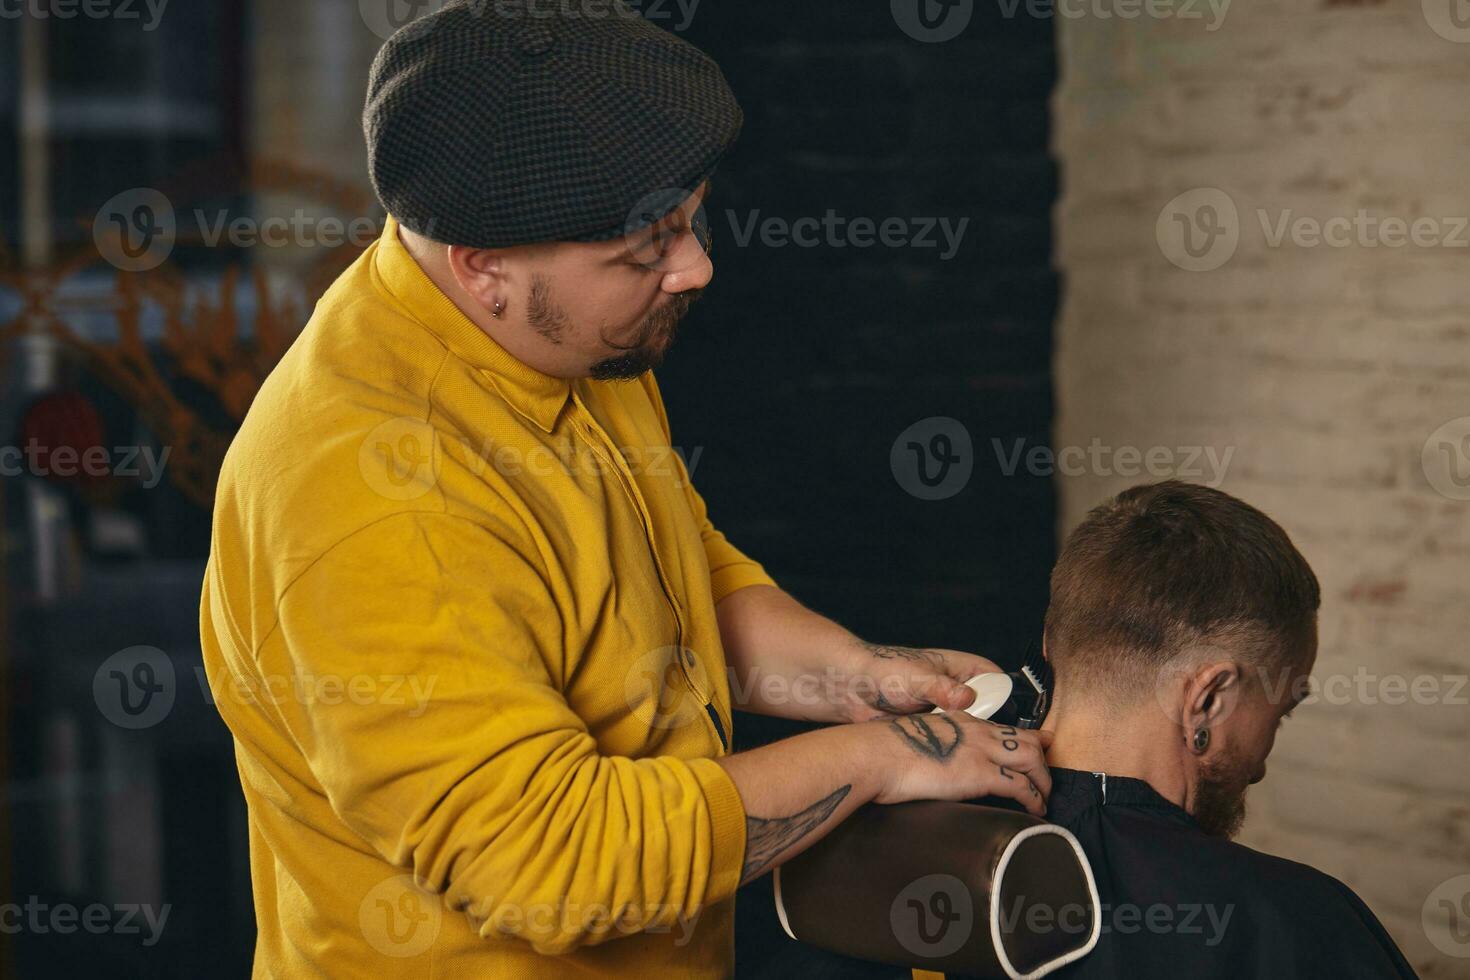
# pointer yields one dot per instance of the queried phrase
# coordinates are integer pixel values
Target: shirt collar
(539, 397)
(1073, 791)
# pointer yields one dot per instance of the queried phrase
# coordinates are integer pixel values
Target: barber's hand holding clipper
(990, 759)
(953, 756)
(903, 729)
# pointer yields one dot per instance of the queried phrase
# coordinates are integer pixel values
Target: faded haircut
(1171, 566)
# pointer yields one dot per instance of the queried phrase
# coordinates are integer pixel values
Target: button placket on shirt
(600, 443)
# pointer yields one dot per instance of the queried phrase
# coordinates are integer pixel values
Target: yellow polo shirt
(460, 617)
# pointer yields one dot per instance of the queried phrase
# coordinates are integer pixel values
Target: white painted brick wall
(1325, 370)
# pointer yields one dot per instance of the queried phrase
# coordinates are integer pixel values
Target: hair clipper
(1020, 698)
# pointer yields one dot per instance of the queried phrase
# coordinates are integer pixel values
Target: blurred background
(981, 264)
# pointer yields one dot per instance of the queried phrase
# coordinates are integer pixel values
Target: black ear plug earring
(1201, 739)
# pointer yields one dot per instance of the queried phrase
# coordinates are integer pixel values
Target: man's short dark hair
(1172, 565)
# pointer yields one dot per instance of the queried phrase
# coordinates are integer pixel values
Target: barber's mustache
(661, 320)
(681, 304)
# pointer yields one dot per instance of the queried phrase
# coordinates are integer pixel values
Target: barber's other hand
(953, 756)
(888, 680)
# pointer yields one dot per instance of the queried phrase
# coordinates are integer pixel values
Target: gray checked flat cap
(493, 123)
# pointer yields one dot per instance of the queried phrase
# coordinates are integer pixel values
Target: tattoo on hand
(766, 838)
(1011, 743)
(883, 704)
(932, 736)
(884, 651)
(1009, 775)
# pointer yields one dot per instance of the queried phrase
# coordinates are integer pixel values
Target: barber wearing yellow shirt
(467, 618)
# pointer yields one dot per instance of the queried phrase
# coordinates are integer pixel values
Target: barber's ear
(1210, 696)
(479, 272)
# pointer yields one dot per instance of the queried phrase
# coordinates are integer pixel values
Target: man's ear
(480, 272)
(1211, 695)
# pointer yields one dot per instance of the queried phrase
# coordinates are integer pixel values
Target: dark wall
(800, 368)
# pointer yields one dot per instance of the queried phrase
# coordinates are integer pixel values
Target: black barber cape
(1176, 903)
(1179, 903)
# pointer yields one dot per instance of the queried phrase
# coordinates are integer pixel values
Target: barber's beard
(654, 338)
(1219, 799)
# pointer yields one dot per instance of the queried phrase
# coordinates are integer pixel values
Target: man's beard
(654, 337)
(1219, 799)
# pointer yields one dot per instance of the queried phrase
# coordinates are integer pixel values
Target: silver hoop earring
(1201, 739)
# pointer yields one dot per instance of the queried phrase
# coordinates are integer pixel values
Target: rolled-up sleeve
(477, 775)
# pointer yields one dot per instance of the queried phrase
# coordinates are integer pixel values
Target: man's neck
(1133, 743)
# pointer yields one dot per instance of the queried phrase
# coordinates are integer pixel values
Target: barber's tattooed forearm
(767, 838)
(885, 652)
(932, 736)
(874, 677)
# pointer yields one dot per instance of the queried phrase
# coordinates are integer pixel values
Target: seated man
(1182, 629)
